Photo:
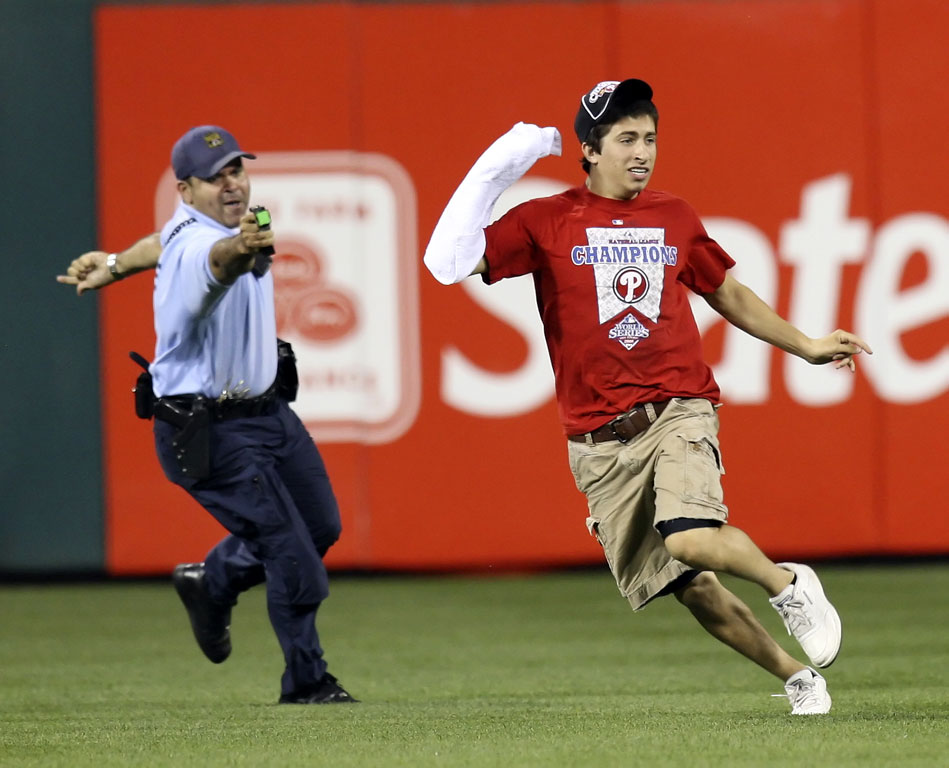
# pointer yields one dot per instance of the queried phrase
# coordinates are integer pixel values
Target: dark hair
(613, 116)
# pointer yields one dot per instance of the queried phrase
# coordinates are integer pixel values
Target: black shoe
(210, 620)
(326, 691)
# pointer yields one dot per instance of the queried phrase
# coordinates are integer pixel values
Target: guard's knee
(327, 536)
(295, 571)
(303, 579)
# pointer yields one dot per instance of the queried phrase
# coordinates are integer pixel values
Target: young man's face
(627, 156)
(223, 198)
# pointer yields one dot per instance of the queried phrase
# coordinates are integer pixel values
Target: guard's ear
(184, 189)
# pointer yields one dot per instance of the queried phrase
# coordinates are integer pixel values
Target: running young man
(611, 261)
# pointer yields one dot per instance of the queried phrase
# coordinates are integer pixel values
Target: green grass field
(542, 670)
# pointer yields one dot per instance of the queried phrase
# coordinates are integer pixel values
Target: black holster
(192, 441)
(143, 391)
(288, 382)
(192, 417)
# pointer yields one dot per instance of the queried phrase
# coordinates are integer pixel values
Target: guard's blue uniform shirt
(212, 339)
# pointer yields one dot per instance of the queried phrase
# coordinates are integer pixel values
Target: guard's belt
(168, 408)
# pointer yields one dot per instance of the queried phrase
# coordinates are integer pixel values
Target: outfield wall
(808, 135)
(51, 489)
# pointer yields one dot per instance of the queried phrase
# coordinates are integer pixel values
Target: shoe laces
(801, 693)
(795, 615)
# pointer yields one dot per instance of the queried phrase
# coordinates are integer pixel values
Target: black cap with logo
(593, 105)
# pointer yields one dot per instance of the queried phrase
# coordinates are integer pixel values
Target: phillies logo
(630, 285)
(601, 89)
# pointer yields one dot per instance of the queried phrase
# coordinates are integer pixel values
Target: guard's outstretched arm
(97, 269)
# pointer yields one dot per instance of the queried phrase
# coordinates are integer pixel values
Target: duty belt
(168, 408)
(625, 427)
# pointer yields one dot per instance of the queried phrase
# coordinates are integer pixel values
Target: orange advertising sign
(807, 134)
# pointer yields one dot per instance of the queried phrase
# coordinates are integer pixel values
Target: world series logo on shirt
(629, 331)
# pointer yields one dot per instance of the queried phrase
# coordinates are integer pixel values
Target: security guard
(223, 429)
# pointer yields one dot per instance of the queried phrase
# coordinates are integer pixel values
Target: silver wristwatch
(113, 269)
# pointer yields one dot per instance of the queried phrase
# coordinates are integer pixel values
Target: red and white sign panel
(809, 135)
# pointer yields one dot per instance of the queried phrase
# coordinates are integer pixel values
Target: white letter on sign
(818, 245)
(883, 312)
(743, 371)
(474, 390)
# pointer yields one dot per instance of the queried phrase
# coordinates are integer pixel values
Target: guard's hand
(840, 347)
(252, 237)
(88, 272)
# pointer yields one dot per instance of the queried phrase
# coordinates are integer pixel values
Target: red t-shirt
(610, 277)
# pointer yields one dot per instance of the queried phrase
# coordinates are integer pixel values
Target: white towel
(457, 243)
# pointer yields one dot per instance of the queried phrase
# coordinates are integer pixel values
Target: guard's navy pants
(269, 488)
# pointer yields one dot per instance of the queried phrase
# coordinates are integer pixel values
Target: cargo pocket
(593, 526)
(702, 468)
(600, 531)
(588, 468)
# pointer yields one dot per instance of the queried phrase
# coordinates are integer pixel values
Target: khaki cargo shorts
(671, 470)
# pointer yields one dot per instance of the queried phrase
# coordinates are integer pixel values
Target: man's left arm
(92, 270)
(742, 307)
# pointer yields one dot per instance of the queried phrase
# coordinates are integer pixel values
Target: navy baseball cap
(204, 151)
(593, 105)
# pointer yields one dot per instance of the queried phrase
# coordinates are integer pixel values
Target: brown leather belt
(623, 428)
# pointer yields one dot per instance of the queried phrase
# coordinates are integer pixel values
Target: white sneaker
(807, 692)
(808, 615)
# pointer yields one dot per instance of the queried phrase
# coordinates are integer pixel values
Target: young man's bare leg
(805, 610)
(728, 619)
(726, 549)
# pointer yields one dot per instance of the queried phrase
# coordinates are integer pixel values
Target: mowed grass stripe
(538, 670)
